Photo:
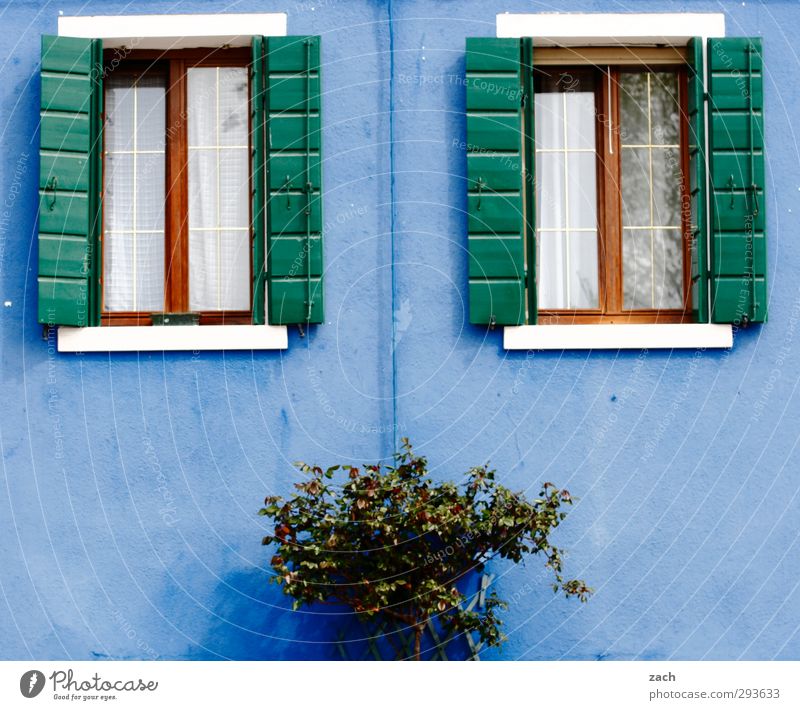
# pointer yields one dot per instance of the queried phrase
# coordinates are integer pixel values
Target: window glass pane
(567, 270)
(652, 182)
(551, 210)
(581, 192)
(150, 192)
(151, 103)
(203, 188)
(133, 205)
(667, 181)
(548, 120)
(213, 258)
(633, 109)
(118, 127)
(219, 189)
(581, 119)
(653, 269)
(234, 171)
(665, 108)
(551, 272)
(637, 259)
(668, 268)
(118, 194)
(566, 190)
(233, 121)
(583, 291)
(202, 91)
(635, 186)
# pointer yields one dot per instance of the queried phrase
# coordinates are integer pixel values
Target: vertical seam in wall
(392, 224)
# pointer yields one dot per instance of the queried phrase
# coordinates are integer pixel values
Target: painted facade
(131, 481)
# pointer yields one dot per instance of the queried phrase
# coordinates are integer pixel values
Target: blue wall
(130, 482)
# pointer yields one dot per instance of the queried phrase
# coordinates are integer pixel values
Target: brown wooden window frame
(175, 65)
(609, 197)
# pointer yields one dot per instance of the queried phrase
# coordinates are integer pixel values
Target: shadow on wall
(254, 622)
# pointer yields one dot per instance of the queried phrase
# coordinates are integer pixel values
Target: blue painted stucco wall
(130, 482)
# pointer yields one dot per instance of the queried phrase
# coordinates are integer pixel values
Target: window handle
(481, 185)
(52, 186)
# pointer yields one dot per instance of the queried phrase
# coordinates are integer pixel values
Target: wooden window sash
(602, 57)
(609, 209)
(176, 64)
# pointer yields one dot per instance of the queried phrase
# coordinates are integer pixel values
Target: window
(180, 186)
(615, 185)
(612, 234)
(182, 245)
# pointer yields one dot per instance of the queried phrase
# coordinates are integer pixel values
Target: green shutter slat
(72, 170)
(69, 181)
(288, 298)
(738, 259)
(289, 93)
(697, 182)
(63, 257)
(289, 255)
(67, 55)
(258, 111)
(495, 220)
(289, 132)
(65, 132)
(294, 180)
(288, 163)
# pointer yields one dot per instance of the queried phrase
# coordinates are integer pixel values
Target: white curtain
(133, 208)
(219, 188)
(566, 200)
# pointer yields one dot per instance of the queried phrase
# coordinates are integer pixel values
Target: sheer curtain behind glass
(219, 187)
(566, 191)
(652, 246)
(133, 204)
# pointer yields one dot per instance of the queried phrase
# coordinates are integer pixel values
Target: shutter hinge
(492, 322)
(523, 99)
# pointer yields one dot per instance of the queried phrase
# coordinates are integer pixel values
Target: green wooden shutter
(697, 181)
(294, 179)
(69, 181)
(258, 172)
(496, 214)
(736, 164)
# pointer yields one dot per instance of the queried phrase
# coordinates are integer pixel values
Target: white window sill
(172, 337)
(626, 336)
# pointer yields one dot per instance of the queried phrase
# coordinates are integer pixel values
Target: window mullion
(611, 190)
(177, 283)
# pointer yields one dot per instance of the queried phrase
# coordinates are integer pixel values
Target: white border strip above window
(174, 31)
(624, 336)
(133, 338)
(586, 29)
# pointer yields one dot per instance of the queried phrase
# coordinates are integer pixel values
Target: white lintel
(164, 32)
(587, 29)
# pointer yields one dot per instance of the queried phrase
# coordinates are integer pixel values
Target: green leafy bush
(391, 541)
